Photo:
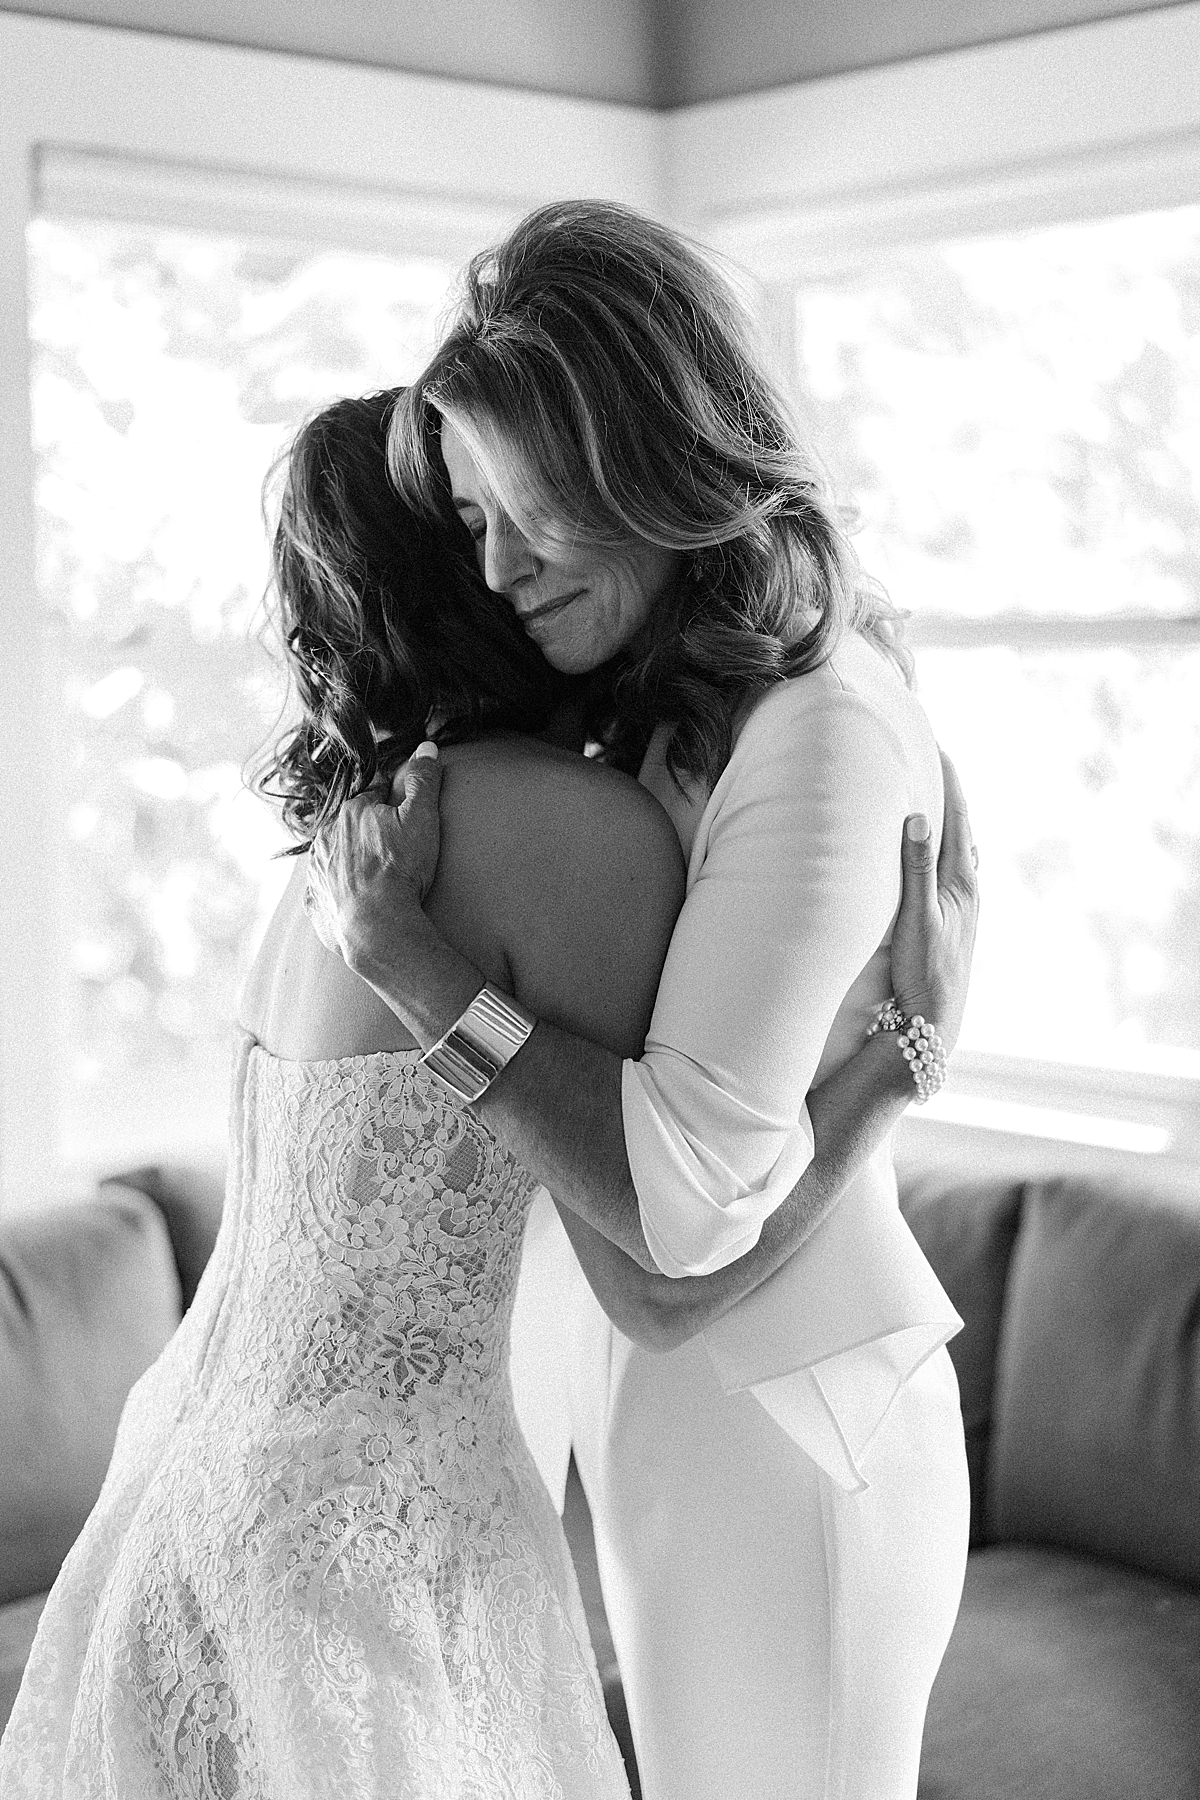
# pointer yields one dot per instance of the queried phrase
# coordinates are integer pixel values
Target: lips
(547, 607)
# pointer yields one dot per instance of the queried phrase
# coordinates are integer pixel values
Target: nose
(507, 559)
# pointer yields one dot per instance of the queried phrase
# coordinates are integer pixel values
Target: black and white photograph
(600, 900)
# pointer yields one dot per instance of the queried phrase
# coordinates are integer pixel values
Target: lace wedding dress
(322, 1563)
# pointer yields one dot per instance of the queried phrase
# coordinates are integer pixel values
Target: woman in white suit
(780, 1503)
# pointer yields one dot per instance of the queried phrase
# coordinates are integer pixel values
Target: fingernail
(917, 827)
(428, 748)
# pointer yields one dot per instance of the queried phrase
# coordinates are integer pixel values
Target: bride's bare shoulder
(576, 870)
(549, 800)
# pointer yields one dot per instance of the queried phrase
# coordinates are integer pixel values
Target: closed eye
(473, 519)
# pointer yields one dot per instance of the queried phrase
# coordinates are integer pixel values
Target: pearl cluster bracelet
(920, 1046)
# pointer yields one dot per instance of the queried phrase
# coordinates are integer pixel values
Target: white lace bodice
(322, 1563)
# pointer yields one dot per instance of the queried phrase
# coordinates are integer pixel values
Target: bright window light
(1046, 1122)
(1015, 423)
(169, 370)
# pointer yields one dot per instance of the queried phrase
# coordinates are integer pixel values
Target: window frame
(1078, 124)
(100, 122)
(1075, 123)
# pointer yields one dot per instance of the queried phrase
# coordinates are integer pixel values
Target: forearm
(851, 1113)
(556, 1106)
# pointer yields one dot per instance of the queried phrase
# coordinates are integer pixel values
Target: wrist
(376, 945)
(889, 1069)
(919, 1043)
(942, 1013)
(480, 1044)
(421, 978)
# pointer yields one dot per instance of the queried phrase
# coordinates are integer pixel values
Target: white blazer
(777, 963)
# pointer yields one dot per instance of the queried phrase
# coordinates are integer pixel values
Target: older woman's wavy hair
(609, 368)
(388, 630)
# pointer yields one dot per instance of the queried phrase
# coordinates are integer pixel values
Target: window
(169, 369)
(1016, 422)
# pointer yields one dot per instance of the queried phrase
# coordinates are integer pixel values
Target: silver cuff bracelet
(477, 1045)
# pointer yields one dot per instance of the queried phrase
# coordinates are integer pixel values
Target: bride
(322, 1563)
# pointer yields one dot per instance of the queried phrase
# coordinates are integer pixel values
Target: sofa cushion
(967, 1229)
(1096, 1436)
(88, 1297)
(18, 1623)
(190, 1197)
(1065, 1679)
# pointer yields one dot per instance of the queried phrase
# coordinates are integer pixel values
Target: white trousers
(777, 1636)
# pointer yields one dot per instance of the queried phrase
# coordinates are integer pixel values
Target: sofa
(1074, 1669)
(89, 1294)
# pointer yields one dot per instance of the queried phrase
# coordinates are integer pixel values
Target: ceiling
(659, 53)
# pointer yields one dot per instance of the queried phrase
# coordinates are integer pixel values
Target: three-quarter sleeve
(793, 883)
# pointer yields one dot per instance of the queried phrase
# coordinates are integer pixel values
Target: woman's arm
(850, 1113)
(557, 1105)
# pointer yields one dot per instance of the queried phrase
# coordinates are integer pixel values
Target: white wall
(588, 49)
(1097, 118)
(712, 50)
(662, 53)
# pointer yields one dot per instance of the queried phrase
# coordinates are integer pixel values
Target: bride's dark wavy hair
(389, 632)
(607, 372)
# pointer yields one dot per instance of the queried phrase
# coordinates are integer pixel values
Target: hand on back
(934, 938)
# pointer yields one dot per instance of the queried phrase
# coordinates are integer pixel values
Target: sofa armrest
(88, 1298)
(190, 1196)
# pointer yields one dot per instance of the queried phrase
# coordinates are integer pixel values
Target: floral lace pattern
(323, 1563)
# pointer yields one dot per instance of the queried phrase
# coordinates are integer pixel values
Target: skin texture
(558, 879)
(579, 608)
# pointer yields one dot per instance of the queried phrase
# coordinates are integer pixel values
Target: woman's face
(579, 607)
